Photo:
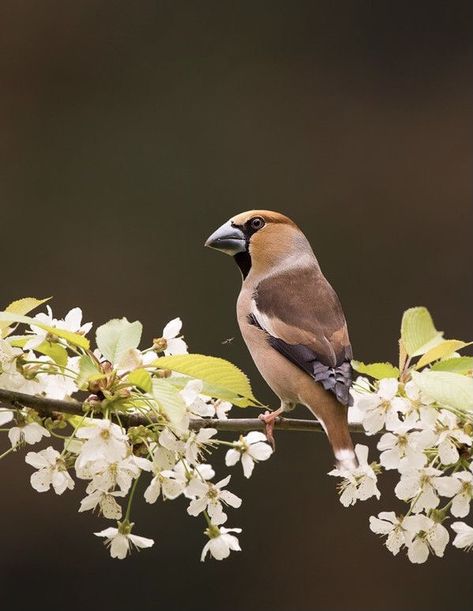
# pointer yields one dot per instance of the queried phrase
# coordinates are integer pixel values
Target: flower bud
(163, 373)
(92, 402)
(160, 344)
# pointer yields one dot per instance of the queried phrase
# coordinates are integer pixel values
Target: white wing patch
(263, 320)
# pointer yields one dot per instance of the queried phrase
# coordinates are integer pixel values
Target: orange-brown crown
(269, 216)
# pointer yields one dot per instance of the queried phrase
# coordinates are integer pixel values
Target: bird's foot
(269, 419)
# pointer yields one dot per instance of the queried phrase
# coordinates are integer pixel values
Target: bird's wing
(304, 320)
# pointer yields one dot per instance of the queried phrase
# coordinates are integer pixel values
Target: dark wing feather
(304, 320)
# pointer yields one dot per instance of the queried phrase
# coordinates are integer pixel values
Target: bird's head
(260, 240)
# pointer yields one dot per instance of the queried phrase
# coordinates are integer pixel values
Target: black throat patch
(243, 260)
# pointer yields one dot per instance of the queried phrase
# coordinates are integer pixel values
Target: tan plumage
(291, 320)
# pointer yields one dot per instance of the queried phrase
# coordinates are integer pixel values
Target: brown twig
(50, 407)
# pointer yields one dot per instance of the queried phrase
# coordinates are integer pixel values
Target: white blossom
(463, 495)
(202, 406)
(424, 535)
(174, 343)
(56, 386)
(464, 535)
(380, 409)
(51, 471)
(162, 457)
(13, 380)
(404, 450)
(169, 441)
(39, 335)
(6, 416)
(358, 483)
(29, 433)
(189, 475)
(196, 442)
(423, 486)
(73, 322)
(221, 543)
(106, 475)
(8, 356)
(134, 359)
(389, 525)
(360, 387)
(104, 440)
(450, 436)
(165, 483)
(420, 411)
(221, 409)
(211, 497)
(105, 500)
(249, 449)
(120, 542)
(196, 404)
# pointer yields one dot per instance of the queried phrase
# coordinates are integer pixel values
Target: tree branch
(51, 407)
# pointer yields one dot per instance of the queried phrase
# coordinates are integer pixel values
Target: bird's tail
(345, 458)
(332, 415)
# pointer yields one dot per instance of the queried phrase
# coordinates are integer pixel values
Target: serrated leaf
(55, 351)
(462, 365)
(418, 332)
(21, 306)
(446, 388)
(88, 370)
(376, 370)
(141, 379)
(171, 403)
(72, 338)
(226, 379)
(25, 305)
(447, 347)
(117, 336)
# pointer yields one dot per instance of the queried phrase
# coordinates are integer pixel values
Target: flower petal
(172, 328)
(232, 457)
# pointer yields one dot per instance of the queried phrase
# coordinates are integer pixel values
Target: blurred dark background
(129, 132)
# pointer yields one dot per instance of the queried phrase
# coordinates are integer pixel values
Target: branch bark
(50, 407)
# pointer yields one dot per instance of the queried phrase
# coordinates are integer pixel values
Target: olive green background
(131, 130)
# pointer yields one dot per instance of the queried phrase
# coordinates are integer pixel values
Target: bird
(292, 322)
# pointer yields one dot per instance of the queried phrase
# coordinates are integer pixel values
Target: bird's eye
(256, 223)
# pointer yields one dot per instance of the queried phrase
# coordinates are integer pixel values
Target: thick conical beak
(228, 239)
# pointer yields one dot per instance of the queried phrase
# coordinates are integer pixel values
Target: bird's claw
(269, 418)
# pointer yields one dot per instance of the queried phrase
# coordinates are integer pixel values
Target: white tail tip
(346, 459)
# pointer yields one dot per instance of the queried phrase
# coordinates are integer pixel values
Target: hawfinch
(292, 321)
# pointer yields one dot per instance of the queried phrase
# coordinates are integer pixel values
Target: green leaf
(55, 351)
(225, 379)
(171, 403)
(376, 370)
(462, 365)
(444, 349)
(141, 379)
(446, 388)
(25, 305)
(117, 336)
(418, 333)
(72, 338)
(88, 370)
(22, 306)
(18, 341)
